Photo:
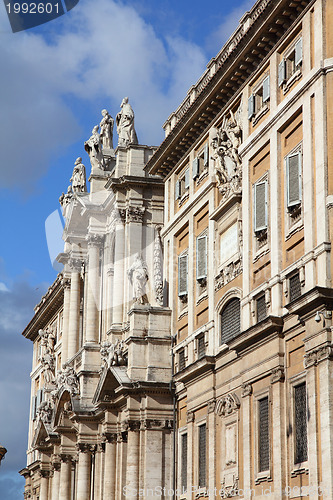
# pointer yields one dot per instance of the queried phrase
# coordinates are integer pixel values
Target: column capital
(110, 437)
(85, 447)
(75, 264)
(211, 406)
(66, 458)
(66, 282)
(44, 473)
(246, 389)
(95, 240)
(277, 374)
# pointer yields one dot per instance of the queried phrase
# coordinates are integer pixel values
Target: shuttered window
(265, 90)
(202, 456)
(195, 168)
(282, 73)
(184, 462)
(187, 178)
(301, 434)
(294, 287)
(263, 431)
(181, 359)
(33, 407)
(206, 156)
(201, 346)
(298, 52)
(251, 106)
(261, 308)
(294, 180)
(230, 321)
(201, 257)
(182, 274)
(260, 206)
(177, 190)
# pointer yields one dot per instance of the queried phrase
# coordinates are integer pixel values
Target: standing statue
(138, 276)
(93, 146)
(106, 126)
(125, 124)
(47, 354)
(78, 178)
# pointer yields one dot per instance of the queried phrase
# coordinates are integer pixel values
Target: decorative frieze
(227, 405)
(314, 357)
(228, 273)
(158, 268)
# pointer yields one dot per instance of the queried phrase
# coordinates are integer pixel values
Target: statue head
(124, 101)
(104, 112)
(95, 129)
(78, 161)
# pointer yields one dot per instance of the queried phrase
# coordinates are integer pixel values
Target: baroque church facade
(185, 350)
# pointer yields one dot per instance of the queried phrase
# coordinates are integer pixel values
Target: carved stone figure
(138, 276)
(225, 144)
(78, 178)
(93, 146)
(125, 125)
(106, 126)
(158, 279)
(113, 354)
(47, 354)
(45, 411)
(65, 199)
(67, 379)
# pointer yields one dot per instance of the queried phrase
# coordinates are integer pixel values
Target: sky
(55, 80)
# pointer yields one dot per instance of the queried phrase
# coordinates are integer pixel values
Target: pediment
(40, 436)
(111, 379)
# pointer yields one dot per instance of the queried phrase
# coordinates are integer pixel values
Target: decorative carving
(230, 491)
(125, 125)
(65, 199)
(106, 126)
(189, 416)
(246, 389)
(45, 411)
(228, 273)
(225, 144)
(47, 354)
(227, 404)
(95, 240)
(67, 379)
(138, 276)
(135, 214)
(277, 375)
(78, 178)
(93, 146)
(158, 269)
(85, 447)
(66, 283)
(314, 357)
(211, 406)
(113, 354)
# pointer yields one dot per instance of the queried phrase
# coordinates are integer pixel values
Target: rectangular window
(263, 434)
(294, 287)
(261, 308)
(301, 431)
(291, 63)
(294, 179)
(181, 359)
(201, 346)
(182, 275)
(184, 462)
(202, 456)
(195, 168)
(260, 206)
(201, 257)
(265, 90)
(33, 407)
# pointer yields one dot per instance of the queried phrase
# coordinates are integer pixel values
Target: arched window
(230, 320)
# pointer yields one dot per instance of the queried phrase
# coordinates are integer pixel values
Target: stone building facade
(214, 381)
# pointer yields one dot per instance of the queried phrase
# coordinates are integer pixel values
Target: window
(258, 100)
(294, 287)
(260, 206)
(200, 163)
(230, 321)
(201, 255)
(181, 359)
(201, 346)
(184, 462)
(182, 184)
(261, 308)
(290, 65)
(202, 456)
(301, 437)
(263, 434)
(294, 179)
(182, 275)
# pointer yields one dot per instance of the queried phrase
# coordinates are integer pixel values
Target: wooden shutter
(33, 407)
(177, 190)
(206, 156)
(298, 52)
(187, 178)
(251, 106)
(260, 206)
(195, 168)
(294, 180)
(202, 456)
(182, 274)
(201, 257)
(282, 72)
(265, 90)
(230, 321)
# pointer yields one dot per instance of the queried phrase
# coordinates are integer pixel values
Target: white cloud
(102, 54)
(3, 287)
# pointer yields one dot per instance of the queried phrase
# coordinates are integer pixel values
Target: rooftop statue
(125, 125)
(106, 126)
(93, 146)
(78, 178)
(138, 276)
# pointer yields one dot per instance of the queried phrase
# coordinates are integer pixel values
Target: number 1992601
(32, 8)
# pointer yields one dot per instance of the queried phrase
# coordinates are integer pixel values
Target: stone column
(133, 455)
(118, 279)
(247, 455)
(55, 481)
(44, 485)
(66, 283)
(93, 292)
(190, 440)
(110, 467)
(84, 472)
(277, 379)
(211, 449)
(65, 477)
(98, 472)
(74, 310)
(109, 297)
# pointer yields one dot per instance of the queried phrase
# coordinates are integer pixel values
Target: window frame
(261, 476)
(263, 227)
(200, 277)
(183, 255)
(296, 152)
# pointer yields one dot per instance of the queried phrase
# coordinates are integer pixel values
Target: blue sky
(55, 79)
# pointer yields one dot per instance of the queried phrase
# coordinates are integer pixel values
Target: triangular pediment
(111, 379)
(40, 436)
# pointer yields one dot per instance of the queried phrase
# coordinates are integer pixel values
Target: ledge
(257, 332)
(313, 299)
(194, 370)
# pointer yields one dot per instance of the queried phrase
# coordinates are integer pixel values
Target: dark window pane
(202, 456)
(230, 321)
(184, 463)
(294, 287)
(201, 346)
(181, 364)
(261, 308)
(301, 438)
(263, 435)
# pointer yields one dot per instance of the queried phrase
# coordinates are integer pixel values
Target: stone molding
(227, 405)
(66, 283)
(312, 358)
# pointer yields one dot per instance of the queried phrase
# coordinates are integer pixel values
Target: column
(109, 297)
(66, 283)
(312, 397)
(98, 472)
(93, 292)
(190, 441)
(118, 279)
(44, 485)
(324, 359)
(278, 412)
(65, 477)
(74, 310)
(110, 467)
(211, 450)
(84, 472)
(247, 456)
(132, 468)
(55, 481)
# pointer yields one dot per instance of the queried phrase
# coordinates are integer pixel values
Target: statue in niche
(78, 178)
(225, 144)
(125, 125)
(93, 146)
(138, 276)
(106, 126)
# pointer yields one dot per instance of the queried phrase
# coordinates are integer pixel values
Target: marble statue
(47, 354)
(93, 146)
(65, 199)
(78, 178)
(138, 276)
(125, 125)
(106, 126)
